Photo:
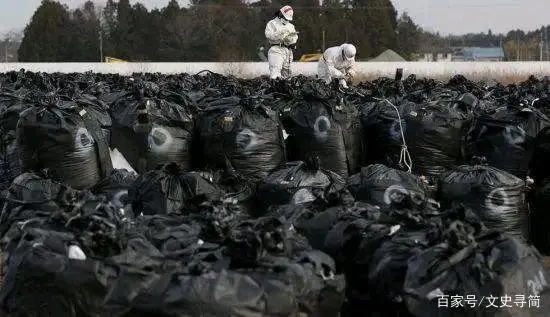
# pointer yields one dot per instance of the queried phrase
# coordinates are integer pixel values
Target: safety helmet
(287, 12)
(349, 51)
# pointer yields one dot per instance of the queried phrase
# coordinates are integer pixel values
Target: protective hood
(287, 12)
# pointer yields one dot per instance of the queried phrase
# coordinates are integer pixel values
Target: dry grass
(477, 76)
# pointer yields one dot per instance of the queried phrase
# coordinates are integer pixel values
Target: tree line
(232, 30)
(207, 30)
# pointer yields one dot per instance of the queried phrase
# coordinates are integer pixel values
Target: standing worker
(282, 37)
(337, 62)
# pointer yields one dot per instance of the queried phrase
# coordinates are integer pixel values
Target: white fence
(366, 70)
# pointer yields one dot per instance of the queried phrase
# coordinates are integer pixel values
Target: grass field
(505, 72)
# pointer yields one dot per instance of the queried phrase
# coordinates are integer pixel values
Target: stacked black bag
(68, 137)
(384, 186)
(435, 136)
(506, 137)
(485, 271)
(324, 125)
(243, 136)
(11, 105)
(497, 197)
(303, 183)
(384, 130)
(152, 127)
(115, 188)
(170, 190)
(54, 235)
(539, 197)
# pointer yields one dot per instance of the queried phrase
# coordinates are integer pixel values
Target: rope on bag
(404, 155)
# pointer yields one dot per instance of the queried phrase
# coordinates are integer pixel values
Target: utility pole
(546, 41)
(100, 33)
(517, 45)
(6, 50)
(541, 43)
(100, 45)
(324, 41)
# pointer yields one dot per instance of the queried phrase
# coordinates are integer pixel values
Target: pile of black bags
(204, 195)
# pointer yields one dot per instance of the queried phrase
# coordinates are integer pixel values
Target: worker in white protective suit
(282, 37)
(337, 63)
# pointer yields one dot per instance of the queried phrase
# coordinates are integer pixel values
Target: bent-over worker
(282, 37)
(337, 63)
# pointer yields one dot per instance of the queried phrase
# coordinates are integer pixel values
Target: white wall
(442, 70)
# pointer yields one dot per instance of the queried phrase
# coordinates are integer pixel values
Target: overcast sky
(445, 16)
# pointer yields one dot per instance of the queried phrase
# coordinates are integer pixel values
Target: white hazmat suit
(282, 37)
(337, 63)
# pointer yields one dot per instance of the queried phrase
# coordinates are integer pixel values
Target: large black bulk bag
(11, 105)
(540, 217)
(170, 190)
(153, 131)
(70, 139)
(506, 137)
(388, 270)
(435, 137)
(34, 190)
(495, 275)
(303, 286)
(384, 186)
(539, 168)
(244, 136)
(10, 164)
(300, 183)
(70, 287)
(115, 187)
(329, 128)
(496, 196)
(384, 129)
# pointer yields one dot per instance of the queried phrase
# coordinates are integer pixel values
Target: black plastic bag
(384, 132)
(540, 217)
(10, 164)
(170, 190)
(539, 168)
(384, 186)
(496, 196)
(153, 131)
(68, 286)
(506, 138)
(115, 187)
(435, 137)
(329, 128)
(11, 106)
(96, 225)
(69, 138)
(488, 276)
(243, 136)
(33, 195)
(388, 269)
(216, 219)
(302, 183)
(316, 226)
(277, 287)
(167, 231)
(252, 240)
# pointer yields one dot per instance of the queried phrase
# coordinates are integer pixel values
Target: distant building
(479, 54)
(464, 54)
(437, 55)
